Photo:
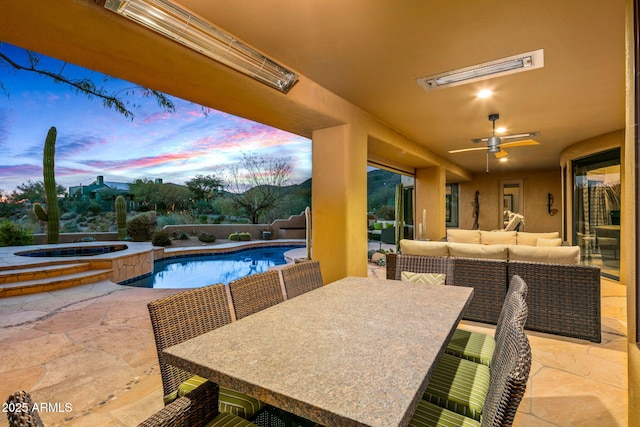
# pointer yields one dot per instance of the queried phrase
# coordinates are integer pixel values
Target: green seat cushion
(474, 346)
(239, 404)
(229, 420)
(459, 385)
(230, 401)
(429, 415)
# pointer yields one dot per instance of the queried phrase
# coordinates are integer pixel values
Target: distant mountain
(381, 189)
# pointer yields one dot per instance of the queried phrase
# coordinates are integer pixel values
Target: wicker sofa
(563, 299)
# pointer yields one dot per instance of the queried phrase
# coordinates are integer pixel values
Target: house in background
(99, 189)
(102, 190)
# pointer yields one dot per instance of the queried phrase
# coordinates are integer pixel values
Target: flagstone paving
(91, 347)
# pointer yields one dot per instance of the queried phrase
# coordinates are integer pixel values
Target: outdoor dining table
(356, 352)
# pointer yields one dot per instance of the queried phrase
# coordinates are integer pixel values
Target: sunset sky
(93, 140)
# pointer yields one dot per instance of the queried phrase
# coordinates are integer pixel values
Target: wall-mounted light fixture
(550, 201)
(177, 24)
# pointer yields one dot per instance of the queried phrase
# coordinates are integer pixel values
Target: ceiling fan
(497, 144)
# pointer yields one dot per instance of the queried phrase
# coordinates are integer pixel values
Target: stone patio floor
(92, 347)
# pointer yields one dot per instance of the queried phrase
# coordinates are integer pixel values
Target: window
(596, 207)
(451, 213)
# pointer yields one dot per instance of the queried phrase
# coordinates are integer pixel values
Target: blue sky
(93, 140)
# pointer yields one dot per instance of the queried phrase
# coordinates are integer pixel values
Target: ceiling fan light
(493, 144)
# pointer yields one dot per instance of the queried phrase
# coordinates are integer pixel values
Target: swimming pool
(188, 271)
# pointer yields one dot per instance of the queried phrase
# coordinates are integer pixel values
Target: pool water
(202, 270)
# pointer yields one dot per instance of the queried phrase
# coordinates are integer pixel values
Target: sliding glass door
(596, 208)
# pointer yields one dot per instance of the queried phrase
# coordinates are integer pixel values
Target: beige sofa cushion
(549, 242)
(498, 237)
(531, 239)
(553, 255)
(457, 235)
(416, 247)
(467, 250)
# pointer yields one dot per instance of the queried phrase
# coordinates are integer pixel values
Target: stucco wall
(537, 184)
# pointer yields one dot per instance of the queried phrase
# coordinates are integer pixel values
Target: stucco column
(430, 187)
(339, 201)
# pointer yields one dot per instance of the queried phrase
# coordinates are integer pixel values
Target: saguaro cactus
(121, 217)
(52, 214)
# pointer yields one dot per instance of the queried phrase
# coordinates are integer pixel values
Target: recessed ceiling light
(501, 130)
(484, 93)
(504, 159)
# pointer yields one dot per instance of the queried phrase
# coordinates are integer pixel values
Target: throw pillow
(549, 242)
(377, 226)
(427, 278)
(531, 239)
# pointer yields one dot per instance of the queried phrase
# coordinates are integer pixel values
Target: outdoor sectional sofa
(563, 298)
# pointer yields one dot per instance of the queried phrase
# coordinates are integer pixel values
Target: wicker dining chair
(301, 277)
(199, 408)
(461, 385)
(256, 292)
(508, 382)
(479, 347)
(21, 412)
(423, 264)
(185, 315)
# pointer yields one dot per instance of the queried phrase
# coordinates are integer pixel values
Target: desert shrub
(161, 238)
(94, 208)
(203, 219)
(68, 216)
(386, 212)
(141, 226)
(207, 238)
(70, 227)
(13, 235)
(174, 218)
(183, 236)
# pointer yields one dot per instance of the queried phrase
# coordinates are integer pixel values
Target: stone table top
(356, 352)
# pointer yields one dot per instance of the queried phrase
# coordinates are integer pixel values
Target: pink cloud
(18, 171)
(158, 117)
(141, 162)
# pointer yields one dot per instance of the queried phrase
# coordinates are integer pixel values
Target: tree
(31, 62)
(256, 184)
(175, 196)
(146, 192)
(205, 187)
(32, 192)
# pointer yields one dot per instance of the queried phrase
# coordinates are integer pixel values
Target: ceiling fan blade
(500, 154)
(519, 136)
(507, 138)
(461, 150)
(519, 143)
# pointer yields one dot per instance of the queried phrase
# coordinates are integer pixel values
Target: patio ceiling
(370, 52)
